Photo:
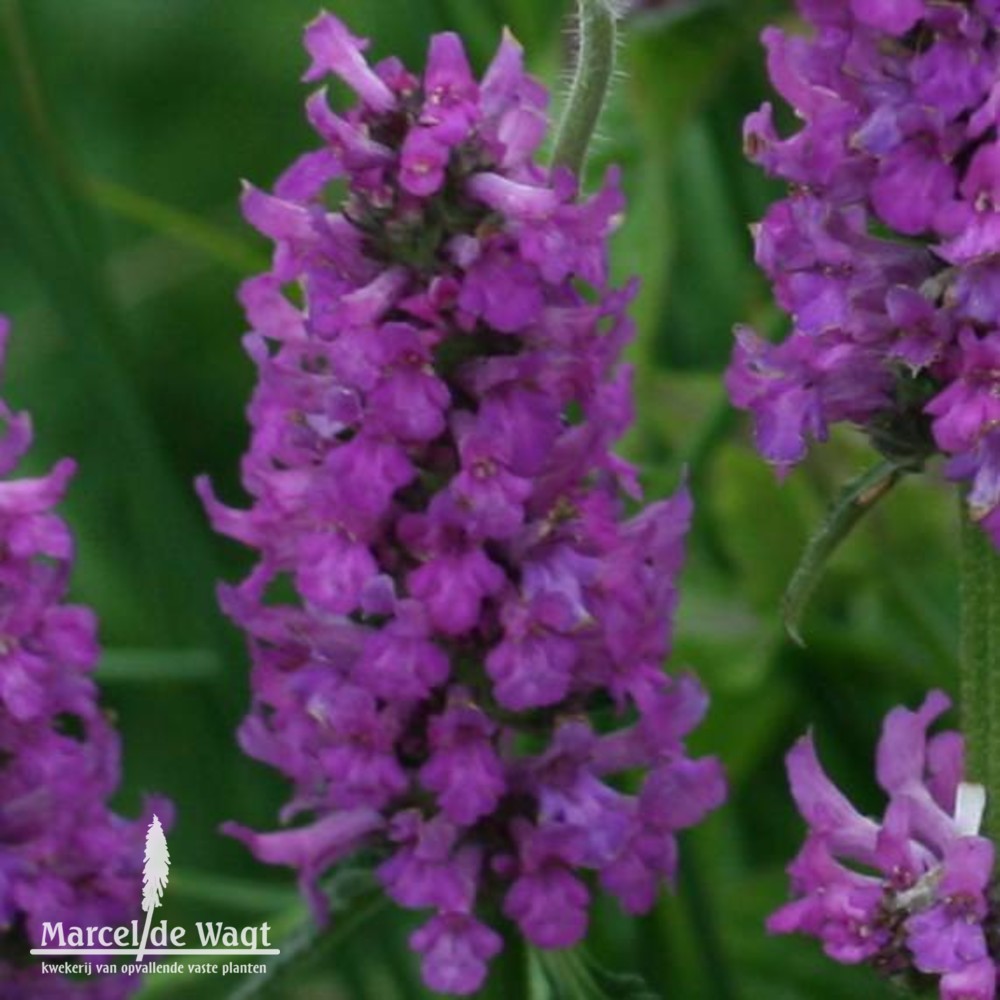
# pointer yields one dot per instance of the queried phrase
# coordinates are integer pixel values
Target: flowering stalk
(468, 677)
(908, 894)
(886, 256)
(592, 76)
(886, 251)
(64, 854)
(980, 664)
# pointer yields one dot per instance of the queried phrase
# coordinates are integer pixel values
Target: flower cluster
(469, 677)
(916, 901)
(64, 855)
(886, 253)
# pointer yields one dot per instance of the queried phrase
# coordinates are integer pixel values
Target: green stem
(595, 67)
(979, 658)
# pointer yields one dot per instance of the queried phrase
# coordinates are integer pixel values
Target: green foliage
(574, 975)
(124, 128)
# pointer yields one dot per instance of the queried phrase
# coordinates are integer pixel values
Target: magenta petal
(335, 50)
(456, 950)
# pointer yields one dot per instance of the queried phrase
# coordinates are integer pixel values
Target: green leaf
(479, 28)
(535, 24)
(855, 501)
(308, 943)
(143, 666)
(149, 517)
(295, 932)
(575, 975)
(211, 889)
(615, 985)
(175, 224)
(761, 524)
(668, 14)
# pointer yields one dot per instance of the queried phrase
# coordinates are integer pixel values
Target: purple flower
(402, 661)
(423, 162)
(451, 94)
(464, 768)
(456, 949)
(430, 869)
(895, 17)
(909, 891)
(430, 470)
(532, 667)
(311, 849)
(453, 587)
(501, 289)
(408, 401)
(968, 408)
(547, 901)
(335, 50)
(491, 495)
(883, 253)
(64, 855)
(976, 981)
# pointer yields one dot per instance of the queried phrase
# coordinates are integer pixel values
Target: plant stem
(595, 66)
(979, 659)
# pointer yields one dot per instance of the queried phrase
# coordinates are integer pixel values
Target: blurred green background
(124, 129)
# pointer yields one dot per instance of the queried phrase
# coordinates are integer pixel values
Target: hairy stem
(595, 66)
(979, 658)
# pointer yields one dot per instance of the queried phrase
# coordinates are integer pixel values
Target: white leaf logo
(155, 873)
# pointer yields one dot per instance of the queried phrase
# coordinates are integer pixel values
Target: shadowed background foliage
(124, 128)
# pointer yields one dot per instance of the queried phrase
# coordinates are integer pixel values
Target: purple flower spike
(431, 474)
(909, 892)
(885, 252)
(64, 855)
